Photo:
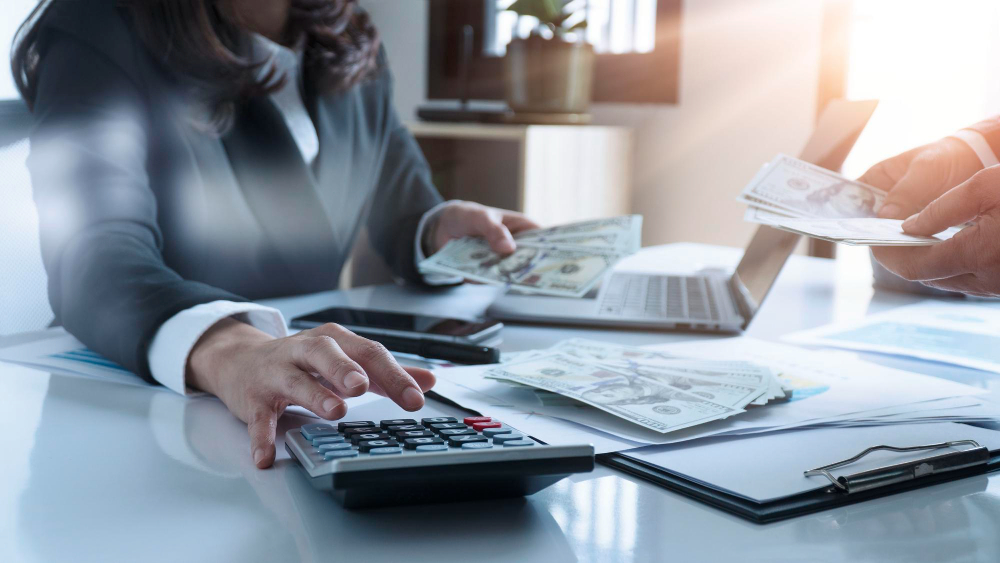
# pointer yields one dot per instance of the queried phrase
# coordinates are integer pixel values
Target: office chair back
(24, 303)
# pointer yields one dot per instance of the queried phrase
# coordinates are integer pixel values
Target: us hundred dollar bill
(640, 400)
(536, 269)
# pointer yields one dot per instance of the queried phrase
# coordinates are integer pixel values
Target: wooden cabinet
(553, 173)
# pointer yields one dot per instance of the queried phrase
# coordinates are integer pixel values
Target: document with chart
(960, 333)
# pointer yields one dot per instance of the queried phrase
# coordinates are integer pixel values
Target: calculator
(364, 463)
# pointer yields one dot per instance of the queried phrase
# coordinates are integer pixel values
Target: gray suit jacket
(144, 215)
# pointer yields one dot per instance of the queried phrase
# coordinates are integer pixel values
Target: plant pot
(548, 75)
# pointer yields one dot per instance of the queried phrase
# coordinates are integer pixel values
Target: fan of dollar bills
(567, 260)
(799, 197)
(653, 389)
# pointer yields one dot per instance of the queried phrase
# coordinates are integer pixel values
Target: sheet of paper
(827, 387)
(60, 352)
(824, 384)
(770, 466)
(959, 333)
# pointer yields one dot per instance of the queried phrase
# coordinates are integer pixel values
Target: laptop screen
(837, 130)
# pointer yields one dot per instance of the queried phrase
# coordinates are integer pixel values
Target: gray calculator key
(501, 438)
(433, 448)
(477, 446)
(333, 447)
(327, 440)
(385, 451)
(517, 443)
(491, 432)
(339, 454)
(311, 431)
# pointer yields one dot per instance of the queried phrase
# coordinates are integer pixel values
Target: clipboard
(850, 488)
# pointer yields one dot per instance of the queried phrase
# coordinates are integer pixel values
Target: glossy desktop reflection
(107, 472)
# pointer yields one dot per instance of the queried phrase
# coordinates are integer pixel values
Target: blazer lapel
(281, 191)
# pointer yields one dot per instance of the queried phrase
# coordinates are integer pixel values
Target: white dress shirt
(172, 345)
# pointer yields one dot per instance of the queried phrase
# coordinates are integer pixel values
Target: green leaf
(547, 11)
(582, 24)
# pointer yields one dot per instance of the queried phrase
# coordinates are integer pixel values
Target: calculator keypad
(387, 437)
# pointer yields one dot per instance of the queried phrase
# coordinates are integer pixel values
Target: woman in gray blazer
(191, 156)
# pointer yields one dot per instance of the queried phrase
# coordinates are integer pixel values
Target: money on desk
(799, 197)
(652, 389)
(565, 261)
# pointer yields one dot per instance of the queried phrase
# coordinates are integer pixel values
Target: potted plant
(549, 74)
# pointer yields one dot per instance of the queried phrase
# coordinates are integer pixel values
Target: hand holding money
(567, 260)
(795, 196)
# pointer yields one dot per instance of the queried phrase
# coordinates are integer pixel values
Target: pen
(459, 353)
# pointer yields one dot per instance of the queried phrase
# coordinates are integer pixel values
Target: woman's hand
(970, 261)
(466, 219)
(258, 376)
(916, 177)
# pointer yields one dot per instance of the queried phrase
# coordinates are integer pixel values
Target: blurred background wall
(749, 77)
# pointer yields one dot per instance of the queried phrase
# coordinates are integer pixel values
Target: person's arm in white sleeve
(172, 345)
(418, 241)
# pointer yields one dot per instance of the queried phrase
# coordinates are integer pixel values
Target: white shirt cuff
(432, 213)
(978, 144)
(172, 345)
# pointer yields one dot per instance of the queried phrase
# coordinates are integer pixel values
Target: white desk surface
(104, 472)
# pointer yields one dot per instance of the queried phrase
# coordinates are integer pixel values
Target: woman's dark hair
(210, 54)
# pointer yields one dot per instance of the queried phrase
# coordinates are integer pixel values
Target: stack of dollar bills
(653, 389)
(799, 197)
(565, 261)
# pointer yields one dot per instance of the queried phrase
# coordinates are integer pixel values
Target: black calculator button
(404, 434)
(465, 439)
(354, 424)
(365, 447)
(385, 424)
(457, 432)
(438, 420)
(447, 426)
(362, 430)
(396, 428)
(358, 438)
(414, 443)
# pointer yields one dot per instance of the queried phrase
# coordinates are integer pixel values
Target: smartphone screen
(400, 322)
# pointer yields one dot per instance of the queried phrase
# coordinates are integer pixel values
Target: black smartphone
(402, 324)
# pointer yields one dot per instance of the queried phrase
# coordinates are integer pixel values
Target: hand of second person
(916, 177)
(466, 219)
(258, 376)
(969, 262)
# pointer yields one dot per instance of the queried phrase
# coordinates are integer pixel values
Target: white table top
(93, 471)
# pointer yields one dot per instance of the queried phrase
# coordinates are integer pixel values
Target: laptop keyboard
(657, 296)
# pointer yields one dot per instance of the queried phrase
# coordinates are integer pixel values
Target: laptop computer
(705, 301)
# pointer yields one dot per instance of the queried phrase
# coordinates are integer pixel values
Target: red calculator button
(480, 426)
(474, 419)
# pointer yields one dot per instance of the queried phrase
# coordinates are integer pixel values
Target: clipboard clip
(905, 471)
